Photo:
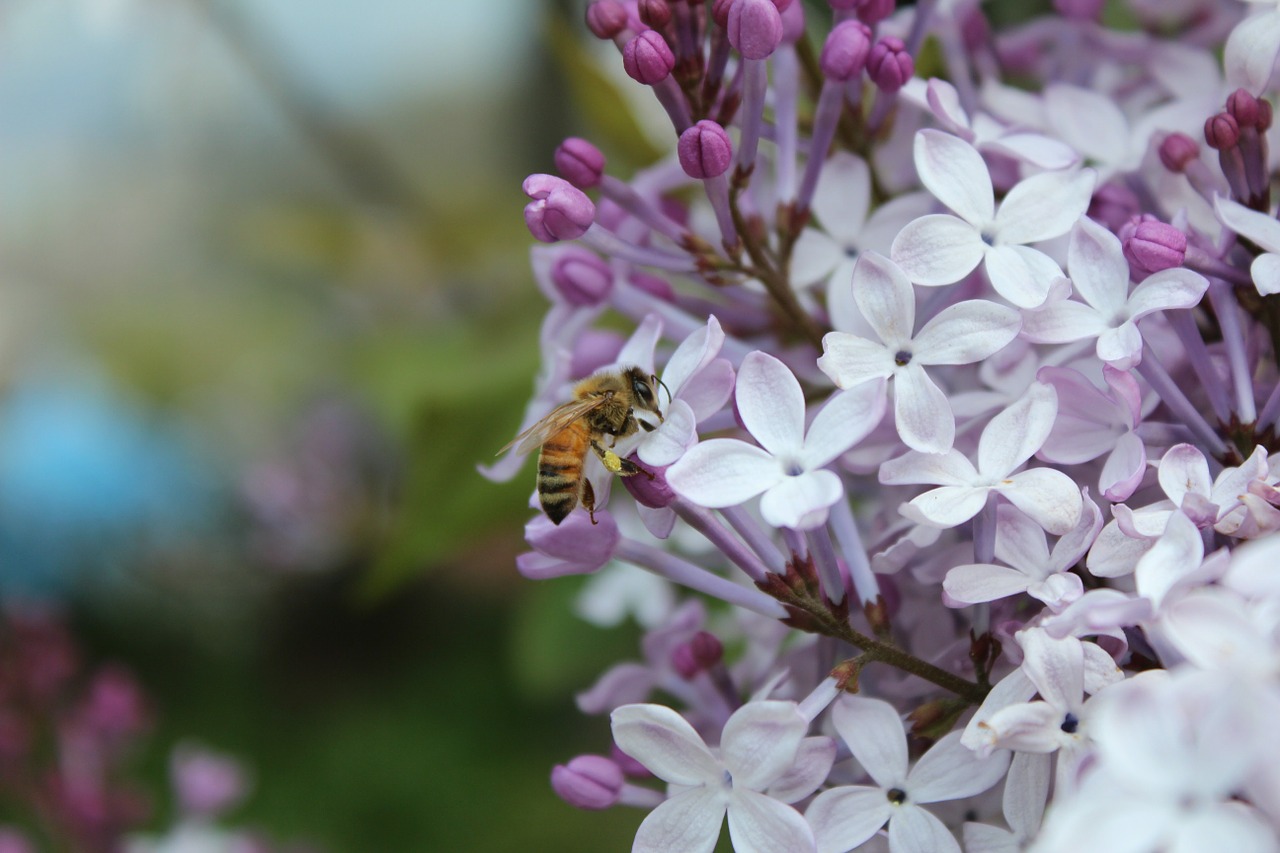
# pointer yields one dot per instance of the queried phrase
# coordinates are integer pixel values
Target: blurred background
(264, 305)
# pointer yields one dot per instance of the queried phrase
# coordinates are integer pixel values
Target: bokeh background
(264, 306)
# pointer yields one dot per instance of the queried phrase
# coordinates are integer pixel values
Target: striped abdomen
(560, 470)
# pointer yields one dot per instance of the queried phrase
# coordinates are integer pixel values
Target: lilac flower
(1252, 48)
(788, 465)
(961, 334)
(941, 248)
(760, 747)
(1047, 495)
(1261, 229)
(1110, 312)
(845, 817)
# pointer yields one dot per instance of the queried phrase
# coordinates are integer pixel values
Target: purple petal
(1124, 469)
(801, 502)
(1184, 469)
(665, 743)
(622, 684)
(956, 174)
(723, 472)
(688, 821)
(771, 404)
(1020, 542)
(937, 249)
(709, 389)
(761, 824)
(1044, 206)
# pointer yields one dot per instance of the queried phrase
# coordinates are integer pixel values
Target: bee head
(644, 389)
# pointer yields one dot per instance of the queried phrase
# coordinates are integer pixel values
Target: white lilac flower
(1026, 790)
(1047, 495)
(1251, 49)
(1030, 566)
(1109, 311)
(960, 334)
(843, 818)
(942, 248)
(751, 777)
(1263, 230)
(788, 465)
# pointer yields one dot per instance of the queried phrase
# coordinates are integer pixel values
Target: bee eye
(642, 390)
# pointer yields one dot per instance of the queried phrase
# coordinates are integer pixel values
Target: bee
(603, 405)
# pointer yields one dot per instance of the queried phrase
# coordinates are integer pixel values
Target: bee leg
(589, 500)
(615, 463)
(646, 426)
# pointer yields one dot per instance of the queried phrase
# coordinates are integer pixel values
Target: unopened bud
(872, 12)
(720, 12)
(582, 278)
(700, 654)
(647, 58)
(1177, 150)
(559, 210)
(704, 150)
(754, 28)
(579, 162)
(588, 782)
(1243, 107)
(1221, 131)
(1113, 205)
(649, 487)
(606, 18)
(889, 64)
(655, 13)
(1151, 245)
(845, 52)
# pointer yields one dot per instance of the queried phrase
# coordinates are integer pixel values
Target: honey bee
(603, 404)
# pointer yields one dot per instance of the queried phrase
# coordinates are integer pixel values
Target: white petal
(1044, 206)
(850, 360)
(921, 411)
(811, 768)
(891, 217)
(1212, 628)
(847, 418)
(760, 824)
(1175, 555)
(1088, 121)
(723, 472)
(979, 582)
(982, 838)
(915, 830)
(694, 353)
(1020, 541)
(873, 730)
(1042, 151)
(759, 742)
(1250, 53)
(1184, 469)
(946, 469)
(943, 99)
(951, 505)
(966, 332)
(709, 389)
(885, 298)
(1265, 271)
(1061, 322)
(842, 818)
(801, 502)
(956, 174)
(1023, 275)
(841, 199)
(1121, 347)
(688, 821)
(937, 249)
(1167, 290)
(1099, 271)
(1257, 226)
(1012, 436)
(638, 349)
(951, 771)
(1025, 792)
(1049, 496)
(771, 403)
(672, 437)
(1125, 466)
(813, 257)
(1029, 727)
(1055, 667)
(665, 743)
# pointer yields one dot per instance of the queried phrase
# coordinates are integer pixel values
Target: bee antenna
(663, 386)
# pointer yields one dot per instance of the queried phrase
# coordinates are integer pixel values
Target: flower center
(897, 796)
(988, 236)
(902, 358)
(1070, 724)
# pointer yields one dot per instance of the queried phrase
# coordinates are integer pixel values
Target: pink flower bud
(704, 150)
(653, 285)
(975, 30)
(559, 210)
(655, 13)
(647, 58)
(1177, 150)
(707, 649)
(606, 18)
(889, 64)
(579, 162)
(845, 52)
(1221, 131)
(1079, 10)
(792, 22)
(1151, 245)
(783, 5)
(872, 12)
(588, 782)
(632, 768)
(582, 278)
(1113, 205)
(1243, 107)
(754, 28)
(720, 12)
(683, 663)
(1263, 123)
(654, 493)
(115, 706)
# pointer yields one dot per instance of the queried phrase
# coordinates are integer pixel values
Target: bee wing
(554, 421)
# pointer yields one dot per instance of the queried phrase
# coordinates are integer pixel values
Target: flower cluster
(960, 522)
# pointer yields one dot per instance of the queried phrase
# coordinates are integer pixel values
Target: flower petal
(1044, 206)
(1121, 347)
(966, 332)
(1020, 541)
(688, 821)
(945, 469)
(979, 582)
(1260, 228)
(885, 298)
(1099, 271)
(842, 818)
(1055, 667)
(850, 360)
(694, 353)
(811, 768)
(1062, 322)
(759, 742)
(801, 502)
(671, 438)
(921, 412)
(665, 743)
(1012, 436)
(951, 771)
(949, 506)
(873, 730)
(771, 403)
(761, 824)
(1167, 290)
(1023, 275)
(915, 830)
(1183, 469)
(1249, 57)
(723, 472)
(1049, 496)
(847, 418)
(956, 174)
(937, 249)
(842, 197)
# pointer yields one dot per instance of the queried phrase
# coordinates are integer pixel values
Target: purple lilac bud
(872, 12)
(1113, 205)
(844, 55)
(1264, 115)
(647, 58)
(1221, 131)
(707, 649)
(720, 12)
(1177, 150)
(889, 64)
(1151, 245)
(1243, 107)
(1079, 10)
(783, 5)
(606, 18)
(582, 278)
(792, 23)
(579, 162)
(588, 782)
(705, 150)
(682, 661)
(843, 5)
(559, 210)
(655, 13)
(975, 31)
(754, 27)
(654, 493)
(632, 768)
